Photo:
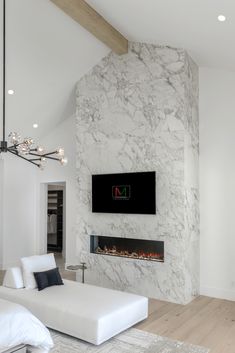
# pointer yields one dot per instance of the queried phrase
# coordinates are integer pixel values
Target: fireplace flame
(138, 254)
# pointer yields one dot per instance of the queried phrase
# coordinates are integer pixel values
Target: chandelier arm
(4, 74)
(38, 155)
(44, 156)
(16, 145)
(49, 153)
(26, 159)
(13, 147)
(35, 154)
(53, 158)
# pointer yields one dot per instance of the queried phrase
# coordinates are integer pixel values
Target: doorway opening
(56, 218)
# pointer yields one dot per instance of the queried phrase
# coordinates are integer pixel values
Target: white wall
(1, 210)
(43, 65)
(217, 182)
(64, 136)
(18, 207)
(23, 212)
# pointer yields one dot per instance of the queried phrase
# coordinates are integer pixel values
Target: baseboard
(218, 293)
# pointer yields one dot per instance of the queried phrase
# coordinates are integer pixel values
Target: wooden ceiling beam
(90, 19)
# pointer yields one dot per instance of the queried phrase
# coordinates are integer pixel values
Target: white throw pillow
(33, 264)
(13, 278)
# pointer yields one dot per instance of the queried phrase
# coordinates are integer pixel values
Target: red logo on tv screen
(121, 192)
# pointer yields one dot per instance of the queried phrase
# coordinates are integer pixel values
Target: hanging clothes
(52, 224)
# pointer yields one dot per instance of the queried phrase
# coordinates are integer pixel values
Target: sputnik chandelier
(24, 148)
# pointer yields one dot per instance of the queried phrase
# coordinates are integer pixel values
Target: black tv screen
(124, 193)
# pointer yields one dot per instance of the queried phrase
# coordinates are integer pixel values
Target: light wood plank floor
(205, 321)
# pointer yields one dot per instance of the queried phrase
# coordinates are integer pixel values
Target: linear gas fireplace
(141, 249)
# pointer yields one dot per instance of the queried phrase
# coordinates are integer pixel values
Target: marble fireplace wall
(139, 112)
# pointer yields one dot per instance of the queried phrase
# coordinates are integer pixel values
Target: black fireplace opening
(141, 249)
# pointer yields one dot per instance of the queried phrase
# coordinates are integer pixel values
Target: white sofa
(90, 313)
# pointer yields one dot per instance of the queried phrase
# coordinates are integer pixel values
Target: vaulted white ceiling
(190, 24)
(47, 52)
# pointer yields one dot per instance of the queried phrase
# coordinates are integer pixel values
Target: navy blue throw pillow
(48, 278)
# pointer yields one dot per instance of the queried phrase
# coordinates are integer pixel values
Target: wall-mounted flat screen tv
(133, 193)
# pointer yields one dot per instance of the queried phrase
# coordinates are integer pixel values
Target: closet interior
(55, 221)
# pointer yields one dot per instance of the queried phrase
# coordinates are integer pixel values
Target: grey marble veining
(139, 112)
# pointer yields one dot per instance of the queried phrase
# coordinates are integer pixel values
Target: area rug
(130, 341)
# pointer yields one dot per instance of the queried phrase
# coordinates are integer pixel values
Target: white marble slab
(139, 112)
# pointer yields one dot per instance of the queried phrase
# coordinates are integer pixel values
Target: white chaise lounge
(90, 313)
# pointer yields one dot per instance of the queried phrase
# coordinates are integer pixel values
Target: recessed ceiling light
(221, 18)
(11, 92)
(35, 126)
